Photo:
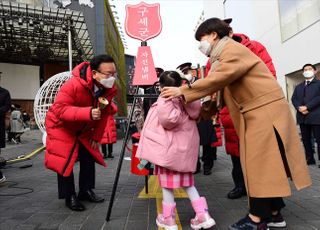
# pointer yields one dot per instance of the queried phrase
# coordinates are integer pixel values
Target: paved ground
(41, 209)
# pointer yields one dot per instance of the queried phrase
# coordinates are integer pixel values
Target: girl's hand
(170, 92)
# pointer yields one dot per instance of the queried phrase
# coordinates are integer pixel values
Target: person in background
(16, 125)
(206, 130)
(270, 149)
(75, 124)
(5, 104)
(26, 119)
(169, 137)
(306, 100)
(10, 134)
(147, 102)
(110, 136)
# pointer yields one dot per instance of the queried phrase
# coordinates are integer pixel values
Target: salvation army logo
(143, 21)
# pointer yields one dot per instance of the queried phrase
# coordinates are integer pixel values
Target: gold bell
(103, 102)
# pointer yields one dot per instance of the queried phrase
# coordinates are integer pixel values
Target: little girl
(170, 140)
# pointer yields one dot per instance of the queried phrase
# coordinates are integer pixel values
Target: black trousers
(306, 134)
(66, 186)
(207, 158)
(104, 149)
(263, 207)
(237, 174)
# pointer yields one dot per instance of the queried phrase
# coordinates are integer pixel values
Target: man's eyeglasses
(108, 74)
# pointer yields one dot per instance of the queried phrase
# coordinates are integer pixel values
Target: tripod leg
(116, 179)
(146, 183)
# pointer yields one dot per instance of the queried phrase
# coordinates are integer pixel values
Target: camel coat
(258, 110)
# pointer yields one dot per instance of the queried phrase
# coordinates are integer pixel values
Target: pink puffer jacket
(170, 136)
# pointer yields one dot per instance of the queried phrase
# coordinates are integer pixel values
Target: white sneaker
(3, 179)
(202, 221)
(168, 223)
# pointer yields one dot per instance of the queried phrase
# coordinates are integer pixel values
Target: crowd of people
(238, 96)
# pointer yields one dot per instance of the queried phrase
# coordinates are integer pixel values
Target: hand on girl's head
(170, 92)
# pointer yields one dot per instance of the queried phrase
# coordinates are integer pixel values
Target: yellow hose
(26, 157)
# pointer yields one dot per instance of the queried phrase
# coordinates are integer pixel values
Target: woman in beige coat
(270, 148)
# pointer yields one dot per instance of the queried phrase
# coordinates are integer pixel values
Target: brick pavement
(42, 210)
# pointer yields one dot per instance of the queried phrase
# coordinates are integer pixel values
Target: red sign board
(143, 21)
(145, 72)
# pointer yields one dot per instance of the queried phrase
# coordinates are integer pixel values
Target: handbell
(102, 102)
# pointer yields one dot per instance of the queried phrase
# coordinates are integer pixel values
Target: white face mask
(205, 47)
(107, 82)
(308, 74)
(189, 77)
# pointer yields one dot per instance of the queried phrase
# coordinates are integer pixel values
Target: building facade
(34, 46)
(23, 67)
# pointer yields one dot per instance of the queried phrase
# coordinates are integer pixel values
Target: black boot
(74, 204)
(110, 150)
(311, 161)
(104, 150)
(90, 196)
(110, 155)
(206, 171)
(237, 193)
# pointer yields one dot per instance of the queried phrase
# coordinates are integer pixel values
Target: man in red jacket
(75, 124)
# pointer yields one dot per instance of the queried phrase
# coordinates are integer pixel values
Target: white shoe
(3, 179)
(202, 221)
(168, 223)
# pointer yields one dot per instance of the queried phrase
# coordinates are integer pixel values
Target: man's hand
(95, 114)
(94, 144)
(303, 109)
(170, 92)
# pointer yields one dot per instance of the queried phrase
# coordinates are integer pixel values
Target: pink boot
(202, 218)
(167, 219)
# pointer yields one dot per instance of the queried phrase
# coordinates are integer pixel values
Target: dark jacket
(5, 104)
(147, 102)
(307, 96)
(207, 132)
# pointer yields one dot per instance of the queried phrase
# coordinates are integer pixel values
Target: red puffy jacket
(69, 122)
(110, 134)
(231, 138)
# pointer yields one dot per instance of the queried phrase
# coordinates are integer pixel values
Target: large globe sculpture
(45, 98)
